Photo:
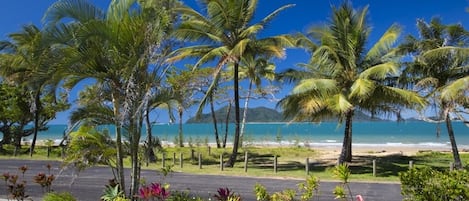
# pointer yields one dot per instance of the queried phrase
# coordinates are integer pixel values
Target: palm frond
(457, 90)
(385, 43)
(362, 89)
(380, 71)
(445, 52)
(79, 10)
(338, 104)
(320, 86)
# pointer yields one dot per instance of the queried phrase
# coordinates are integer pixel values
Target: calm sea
(413, 133)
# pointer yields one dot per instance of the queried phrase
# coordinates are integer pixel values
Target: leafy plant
(342, 172)
(154, 191)
(429, 184)
(183, 196)
(113, 193)
(225, 194)
(261, 192)
(309, 187)
(54, 196)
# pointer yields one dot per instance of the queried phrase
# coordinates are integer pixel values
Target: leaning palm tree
(342, 77)
(115, 49)
(440, 59)
(224, 32)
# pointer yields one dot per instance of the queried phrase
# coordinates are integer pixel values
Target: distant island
(263, 114)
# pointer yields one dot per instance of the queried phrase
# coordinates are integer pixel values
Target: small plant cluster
(421, 184)
(17, 188)
(306, 190)
(45, 180)
(154, 191)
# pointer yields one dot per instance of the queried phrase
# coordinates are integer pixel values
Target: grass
(291, 162)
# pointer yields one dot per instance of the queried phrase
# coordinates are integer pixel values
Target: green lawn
(291, 162)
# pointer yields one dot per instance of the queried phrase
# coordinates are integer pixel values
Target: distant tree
(185, 83)
(439, 70)
(342, 77)
(28, 59)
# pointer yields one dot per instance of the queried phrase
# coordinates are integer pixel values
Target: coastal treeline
(137, 57)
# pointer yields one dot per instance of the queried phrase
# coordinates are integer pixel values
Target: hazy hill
(262, 114)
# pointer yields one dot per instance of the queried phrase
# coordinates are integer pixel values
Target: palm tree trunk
(214, 118)
(181, 137)
(227, 123)
(151, 158)
(452, 139)
(234, 154)
(134, 143)
(245, 111)
(119, 155)
(36, 122)
(346, 153)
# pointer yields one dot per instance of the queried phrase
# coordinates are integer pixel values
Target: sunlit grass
(291, 162)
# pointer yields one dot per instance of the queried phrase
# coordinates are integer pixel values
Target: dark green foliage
(427, 184)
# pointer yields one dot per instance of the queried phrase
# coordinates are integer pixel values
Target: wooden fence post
(181, 160)
(174, 158)
(221, 162)
(246, 161)
(374, 167)
(200, 161)
(307, 166)
(411, 164)
(275, 163)
(163, 160)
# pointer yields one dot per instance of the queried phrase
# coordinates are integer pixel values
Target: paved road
(90, 183)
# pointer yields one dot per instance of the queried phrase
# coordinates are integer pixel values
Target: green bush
(65, 196)
(427, 184)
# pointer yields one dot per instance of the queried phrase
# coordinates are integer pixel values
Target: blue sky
(306, 13)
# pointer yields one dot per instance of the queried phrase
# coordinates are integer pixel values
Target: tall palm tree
(440, 58)
(342, 77)
(254, 69)
(223, 33)
(30, 60)
(114, 48)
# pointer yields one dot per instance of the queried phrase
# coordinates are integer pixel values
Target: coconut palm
(29, 60)
(254, 69)
(439, 70)
(342, 77)
(115, 49)
(223, 33)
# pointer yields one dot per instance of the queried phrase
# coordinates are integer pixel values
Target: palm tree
(114, 48)
(30, 61)
(224, 33)
(341, 77)
(440, 58)
(254, 69)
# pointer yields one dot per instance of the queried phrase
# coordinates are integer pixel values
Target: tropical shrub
(54, 196)
(426, 184)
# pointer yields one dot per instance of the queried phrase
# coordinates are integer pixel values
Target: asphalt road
(89, 185)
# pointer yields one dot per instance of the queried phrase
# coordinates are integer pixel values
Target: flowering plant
(154, 191)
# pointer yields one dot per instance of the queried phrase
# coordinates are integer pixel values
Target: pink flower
(360, 198)
(154, 191)
(144, 193)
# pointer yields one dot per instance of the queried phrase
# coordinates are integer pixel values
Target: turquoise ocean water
(378, 134)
